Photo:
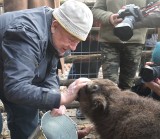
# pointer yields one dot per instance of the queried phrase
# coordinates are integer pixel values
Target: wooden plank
(92, 57)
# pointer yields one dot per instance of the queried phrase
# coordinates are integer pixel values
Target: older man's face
(63, 40)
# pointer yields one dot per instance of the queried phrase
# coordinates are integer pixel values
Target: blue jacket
(28, 60)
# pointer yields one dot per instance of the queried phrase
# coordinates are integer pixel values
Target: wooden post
(56, 3)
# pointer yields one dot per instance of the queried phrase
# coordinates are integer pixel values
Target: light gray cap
(75, 17)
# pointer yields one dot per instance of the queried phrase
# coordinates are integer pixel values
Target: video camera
(150, 73)
(130, 15)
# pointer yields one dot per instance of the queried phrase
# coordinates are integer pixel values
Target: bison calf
(119, 114)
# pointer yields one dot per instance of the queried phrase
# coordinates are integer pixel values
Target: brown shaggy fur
(119, 114)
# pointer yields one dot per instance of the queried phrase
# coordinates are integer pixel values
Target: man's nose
(73, 46)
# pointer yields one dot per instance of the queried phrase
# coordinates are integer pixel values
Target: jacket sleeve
(51, 80)
(150, 21)
(100, 12)
(20, 52)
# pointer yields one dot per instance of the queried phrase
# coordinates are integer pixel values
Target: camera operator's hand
(114, 20)
(72, 91)
(154, 86)
(149, 63)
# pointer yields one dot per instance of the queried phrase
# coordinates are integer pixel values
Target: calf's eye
(95, 88)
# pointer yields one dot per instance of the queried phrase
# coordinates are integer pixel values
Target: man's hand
(84, 131)
(58, 112)
(114, 20)
(72, 91)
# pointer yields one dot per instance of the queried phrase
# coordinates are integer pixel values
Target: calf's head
(95, 96)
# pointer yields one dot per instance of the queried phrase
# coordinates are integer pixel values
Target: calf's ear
(99, 104)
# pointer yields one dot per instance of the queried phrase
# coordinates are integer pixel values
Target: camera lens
(124, 30)
(149, 74)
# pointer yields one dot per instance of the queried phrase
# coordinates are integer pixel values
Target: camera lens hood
(123, 31)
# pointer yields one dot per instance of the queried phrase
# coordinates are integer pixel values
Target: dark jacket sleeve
(21, 52)
(150, 21)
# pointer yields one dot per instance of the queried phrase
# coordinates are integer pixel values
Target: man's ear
(54, 26)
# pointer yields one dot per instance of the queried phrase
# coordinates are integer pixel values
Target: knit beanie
(156, 54)
(75, 17)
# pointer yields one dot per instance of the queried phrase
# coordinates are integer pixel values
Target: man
(155, 84)
(152, 21)
(32, 41)
(120, 59)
